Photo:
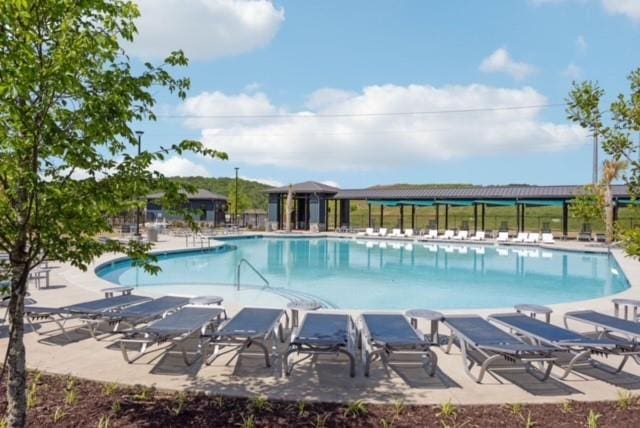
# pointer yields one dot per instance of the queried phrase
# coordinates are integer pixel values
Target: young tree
(68, 98)
(242, 202)
(583, 107)
(588, 204)
(610, 172)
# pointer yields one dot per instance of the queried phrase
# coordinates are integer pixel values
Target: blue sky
(309, 75)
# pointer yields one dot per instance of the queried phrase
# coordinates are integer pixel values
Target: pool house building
(317, 206)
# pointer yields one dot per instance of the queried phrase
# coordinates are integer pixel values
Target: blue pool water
(346, 273)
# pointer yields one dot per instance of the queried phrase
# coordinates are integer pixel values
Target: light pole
(235, 216)
(139, 134)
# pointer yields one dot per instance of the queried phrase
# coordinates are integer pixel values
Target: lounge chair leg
(285, 361)
(352, 361)
(431, 362)
(367, 362)
(484, 367)
(574, 361)
(624, 361)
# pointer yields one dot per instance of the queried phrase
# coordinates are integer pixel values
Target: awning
(455, 203)
(542, 203)
(627, 202)
(385, 203)
(497, 203)
(419, 203)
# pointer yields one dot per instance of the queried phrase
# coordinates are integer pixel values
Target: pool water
(360, 274)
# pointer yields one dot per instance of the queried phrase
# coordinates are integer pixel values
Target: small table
(535, 310)
(301, 305)
(206, 300)
(634, 303)
(434, 316)
(40, 274)
(109, 292)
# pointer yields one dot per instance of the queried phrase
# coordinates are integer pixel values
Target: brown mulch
(70, 402)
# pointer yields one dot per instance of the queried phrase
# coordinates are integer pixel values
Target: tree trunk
(16, 362)
(608, 212)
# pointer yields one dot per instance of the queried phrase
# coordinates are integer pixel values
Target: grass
(625, 400)
(593, 420)
(447, 410)
(259, 403)
(356, 408)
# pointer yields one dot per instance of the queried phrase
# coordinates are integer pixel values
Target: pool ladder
(253, 268)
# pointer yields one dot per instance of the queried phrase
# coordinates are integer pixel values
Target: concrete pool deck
(324, 379)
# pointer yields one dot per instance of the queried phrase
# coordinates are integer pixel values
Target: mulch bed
(70, 402)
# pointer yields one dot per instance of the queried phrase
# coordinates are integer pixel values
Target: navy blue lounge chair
(137, 314)
(491, 345)
(579, 346)
(322, 333)
(250, 326)
(94, 308)
(174, 329)
(385, 334)
(607, 325)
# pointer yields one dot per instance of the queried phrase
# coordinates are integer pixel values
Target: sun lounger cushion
(251, 322)
(187, 320)
(323, 330)
(607, 321)
(391, 329)
(155, 307)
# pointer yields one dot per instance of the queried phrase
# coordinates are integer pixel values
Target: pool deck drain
(325, 379)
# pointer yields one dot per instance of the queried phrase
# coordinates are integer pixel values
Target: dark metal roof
(199, 194)
(475, 192)
(306, 187)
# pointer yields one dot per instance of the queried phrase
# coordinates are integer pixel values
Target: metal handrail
(266, 281)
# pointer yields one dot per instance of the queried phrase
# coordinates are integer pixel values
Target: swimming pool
(360, 274)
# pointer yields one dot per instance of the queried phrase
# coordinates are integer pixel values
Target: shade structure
(455, 203)
(494, 203)
(542, 202)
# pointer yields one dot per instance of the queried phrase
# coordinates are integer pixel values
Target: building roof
(199, 194)
(306, 187)
(474, 192)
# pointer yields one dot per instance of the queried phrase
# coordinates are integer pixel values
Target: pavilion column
(413, 217)
(475, 218)
(402, 218)
(565, 219)
(381, 216)
(615, 211)
(438, 217)
(446, 217)
(335, 214)
(482, 224)
(517, 217)
(522, 226)
(369, 207)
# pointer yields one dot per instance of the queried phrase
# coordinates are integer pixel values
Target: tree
(288, 209)
(610, 172)
(583, 108)
(68, 99)
(243, 202)
(588, 204)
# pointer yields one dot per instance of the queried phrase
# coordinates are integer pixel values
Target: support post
(335, 214)
(446, 217)
(438, 218)
(517, 217)
(402, 218)
(565, 219)
(522, 209)
(369, 206)
(483, 205)
(475, 218)
(413, 217)
(381, 216)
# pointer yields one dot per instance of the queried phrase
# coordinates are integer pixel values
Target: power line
(334, 115)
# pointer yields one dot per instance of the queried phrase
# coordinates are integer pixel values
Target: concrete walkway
(325, 379)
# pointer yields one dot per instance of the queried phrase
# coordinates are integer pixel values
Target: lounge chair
(533, 238)
(503, 237)
(382, 231)
(607, 325)
(479, 236)
(323, 333)
(585, 233)
(396, 233)
(367, 232)
(462, 235)
(448, 234)
(579, 346)
(408, 233)
(521, 237)
(432, 234)
(250, 326)
(383, 335)
(485, 344)
(174, 329)
(137, 314)
(60, 316)
(547, 238)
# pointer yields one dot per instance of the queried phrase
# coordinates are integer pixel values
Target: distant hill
(253, 190)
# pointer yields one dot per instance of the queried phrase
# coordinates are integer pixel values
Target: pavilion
(312, 199)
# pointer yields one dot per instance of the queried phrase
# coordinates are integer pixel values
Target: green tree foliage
(583, 107)
(588, 205)
(68, 99)
(243, 202)
(252, 190)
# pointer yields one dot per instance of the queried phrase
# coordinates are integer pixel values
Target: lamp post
(139, 134)
(235, 216)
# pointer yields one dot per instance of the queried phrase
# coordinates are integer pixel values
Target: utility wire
(334, 115)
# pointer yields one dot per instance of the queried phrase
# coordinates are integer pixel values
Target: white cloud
(628, 8)
(572, 71)
(204, 29)
(268, 181)
(581, 44)
(331, 183)
(178, 166)
(326, 139)
(501, 62)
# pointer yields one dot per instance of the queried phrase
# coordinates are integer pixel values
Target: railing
(245, 261)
